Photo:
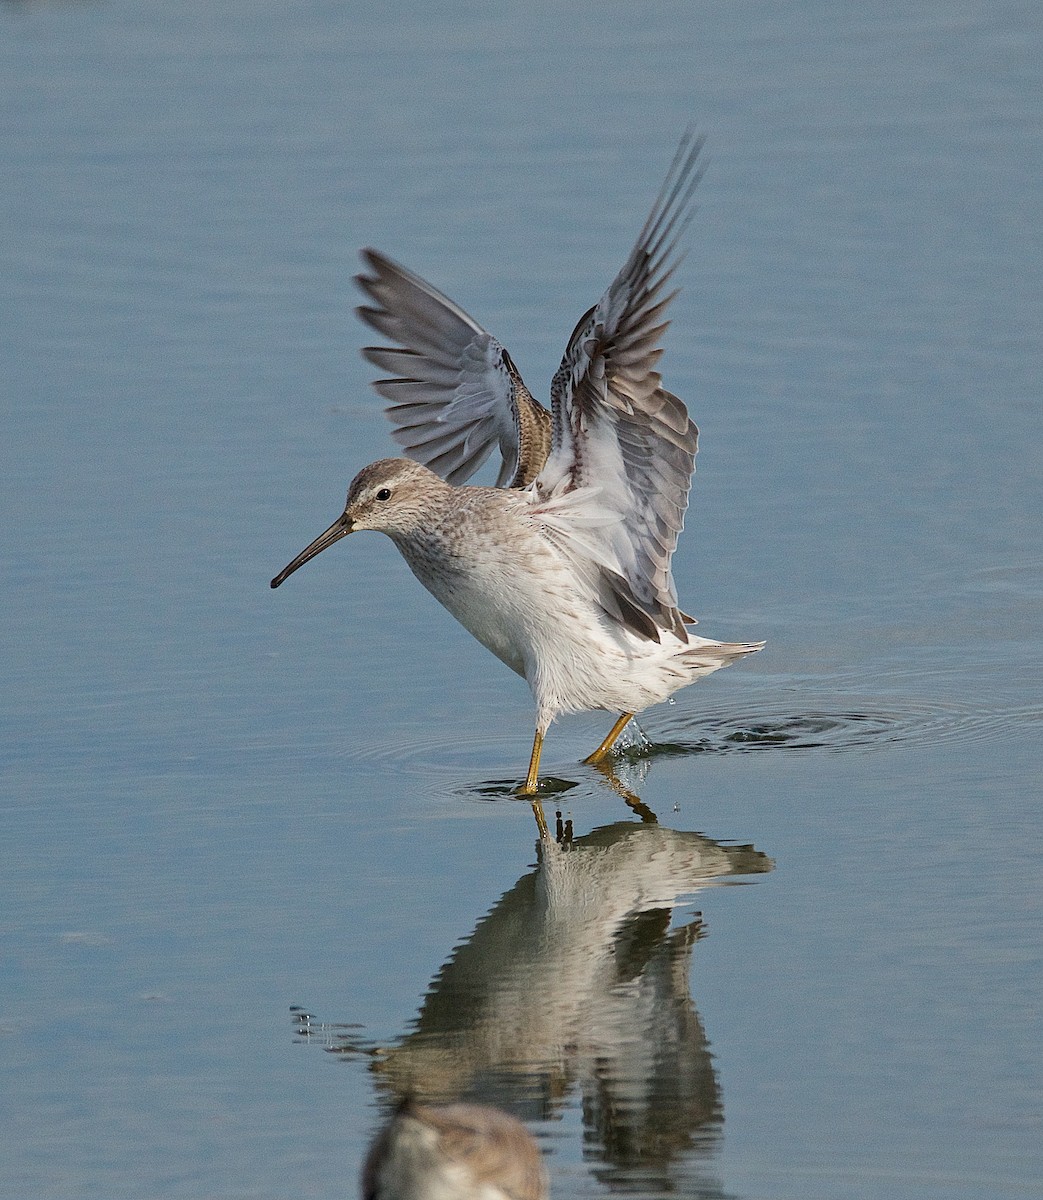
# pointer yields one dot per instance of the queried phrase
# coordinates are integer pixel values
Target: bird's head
(390, 496)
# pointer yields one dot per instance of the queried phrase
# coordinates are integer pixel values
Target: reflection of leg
(603, 751)
(604, 767)
(531, 785)
(541, 820)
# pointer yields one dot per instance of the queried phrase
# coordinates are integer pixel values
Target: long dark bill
(341, 527)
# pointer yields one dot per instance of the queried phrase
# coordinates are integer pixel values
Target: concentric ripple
(847, 724)
(807, 720)
(448, 755)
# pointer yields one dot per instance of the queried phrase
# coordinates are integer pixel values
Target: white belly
(489, 592)
(523, 602)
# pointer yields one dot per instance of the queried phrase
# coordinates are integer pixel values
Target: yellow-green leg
(531, 785)
(605, 749)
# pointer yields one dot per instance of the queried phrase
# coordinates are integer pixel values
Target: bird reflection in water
(577, 983)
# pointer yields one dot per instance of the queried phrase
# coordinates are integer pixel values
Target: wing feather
(454, 392)
(618, 429)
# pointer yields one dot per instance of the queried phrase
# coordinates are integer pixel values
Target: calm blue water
(259, 867)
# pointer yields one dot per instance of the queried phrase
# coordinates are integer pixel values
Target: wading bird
(563, 569)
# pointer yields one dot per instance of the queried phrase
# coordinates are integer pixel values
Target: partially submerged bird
(563, 569)
(453, 1152)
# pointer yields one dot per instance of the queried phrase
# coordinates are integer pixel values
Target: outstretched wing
(617, 429)
(454, 391)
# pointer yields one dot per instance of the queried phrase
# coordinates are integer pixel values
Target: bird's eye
(384, 494)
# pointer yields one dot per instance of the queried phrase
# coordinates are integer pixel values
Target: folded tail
(701, 656)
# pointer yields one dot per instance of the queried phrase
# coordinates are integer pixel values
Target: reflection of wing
(564, 935)
(455, 393)
(576, 984)
(617, 429)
